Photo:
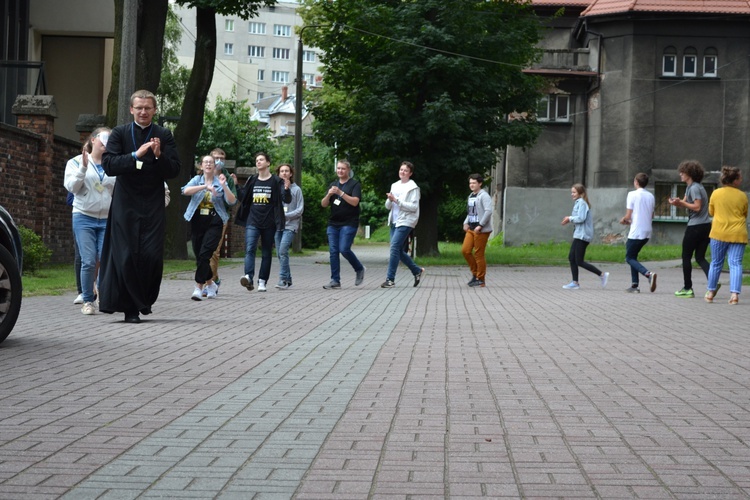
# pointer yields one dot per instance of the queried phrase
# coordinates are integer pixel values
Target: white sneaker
(79, 299)
(88, 308)
(197, 294)
(604, 277)
(210, 291)
(261, 285)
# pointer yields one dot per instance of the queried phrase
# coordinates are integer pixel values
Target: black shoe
(388, 284)
(418, 277)
(132, 317)
(472, 281)
(477, 282)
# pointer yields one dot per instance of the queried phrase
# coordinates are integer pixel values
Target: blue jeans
(632, 248)
(398, 237)
(284, 240)
(89, 233)
(340, 239)
(266, 235)
(733, 253)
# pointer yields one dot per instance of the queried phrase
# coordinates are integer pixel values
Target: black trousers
(696, 241)
(206, 233)
(576, 255)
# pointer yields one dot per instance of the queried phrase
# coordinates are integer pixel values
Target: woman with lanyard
(207, 215)
(92, 190)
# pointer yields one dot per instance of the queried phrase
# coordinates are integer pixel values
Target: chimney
(284, 93)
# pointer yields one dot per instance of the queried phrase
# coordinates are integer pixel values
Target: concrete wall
(533, 215)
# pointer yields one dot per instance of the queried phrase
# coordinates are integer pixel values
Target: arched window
(690, 62)
(669, 62)
(710, 63)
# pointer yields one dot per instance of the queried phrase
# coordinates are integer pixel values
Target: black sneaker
(476, 282)
(418, 277)
(388, 284)
(472, 281)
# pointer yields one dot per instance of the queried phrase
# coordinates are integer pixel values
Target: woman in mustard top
(728, 207)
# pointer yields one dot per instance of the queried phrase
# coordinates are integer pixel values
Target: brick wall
(32, 166)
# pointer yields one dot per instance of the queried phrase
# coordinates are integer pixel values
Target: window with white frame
(280, 53)
(261, 95)
(663, 191)
(261, 75)
(255, 28)
(309, 79)
(308, 56)
(282, 30)
(554, 108)
(710, 63)
(669, 62)
(280, 76)
(228, 24)
(690, 62)
(228, 49)
(256, 51)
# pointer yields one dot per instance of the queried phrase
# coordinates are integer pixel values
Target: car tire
(10, 292)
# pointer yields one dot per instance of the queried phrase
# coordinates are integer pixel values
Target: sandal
(733, 300)
(709, 297)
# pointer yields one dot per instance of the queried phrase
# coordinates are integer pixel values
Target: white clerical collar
(143, 127)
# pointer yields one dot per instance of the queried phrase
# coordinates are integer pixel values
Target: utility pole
(127, 59)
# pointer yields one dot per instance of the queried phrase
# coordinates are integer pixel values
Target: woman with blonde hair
(728, 207)
(582, 236)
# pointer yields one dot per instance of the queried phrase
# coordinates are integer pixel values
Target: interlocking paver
(519, 389)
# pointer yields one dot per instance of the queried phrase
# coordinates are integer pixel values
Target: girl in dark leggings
(582, 235)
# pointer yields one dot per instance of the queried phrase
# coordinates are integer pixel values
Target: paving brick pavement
(518, 390)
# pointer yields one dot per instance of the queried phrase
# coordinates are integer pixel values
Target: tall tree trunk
(152, 19)
(188, 129)
(427, 228)
(114, 90)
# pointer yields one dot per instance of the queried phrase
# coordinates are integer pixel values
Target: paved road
(520, 389)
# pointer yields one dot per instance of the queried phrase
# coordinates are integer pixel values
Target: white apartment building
(257, 56)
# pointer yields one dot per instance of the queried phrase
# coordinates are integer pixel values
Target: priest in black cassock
(141, 154)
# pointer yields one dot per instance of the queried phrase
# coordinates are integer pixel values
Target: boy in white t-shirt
(639, 214)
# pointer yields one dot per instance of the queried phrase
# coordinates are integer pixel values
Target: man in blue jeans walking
(343, 197)
(639, 214)
(403, 203)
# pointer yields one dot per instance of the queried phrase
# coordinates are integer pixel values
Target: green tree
(431, 81)
(228, 126)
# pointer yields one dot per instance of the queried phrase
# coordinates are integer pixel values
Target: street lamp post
(297, 244)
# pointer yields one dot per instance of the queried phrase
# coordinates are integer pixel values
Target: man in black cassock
(141, 155)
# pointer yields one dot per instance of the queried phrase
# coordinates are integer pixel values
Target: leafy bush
(451, 215)
(35, 252)
(315, 217)
(372, 209)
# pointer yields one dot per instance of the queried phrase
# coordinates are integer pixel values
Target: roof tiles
(600, 7)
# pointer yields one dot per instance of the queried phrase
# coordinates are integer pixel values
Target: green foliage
(315, 217)
(430, 81)
(174, 76)
(35, 252)
(372, 209)
(228, 126)
(451, 215)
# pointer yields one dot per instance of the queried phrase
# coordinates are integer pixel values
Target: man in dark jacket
(141, 155)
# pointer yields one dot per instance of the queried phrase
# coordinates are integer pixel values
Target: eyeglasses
(141, 108)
